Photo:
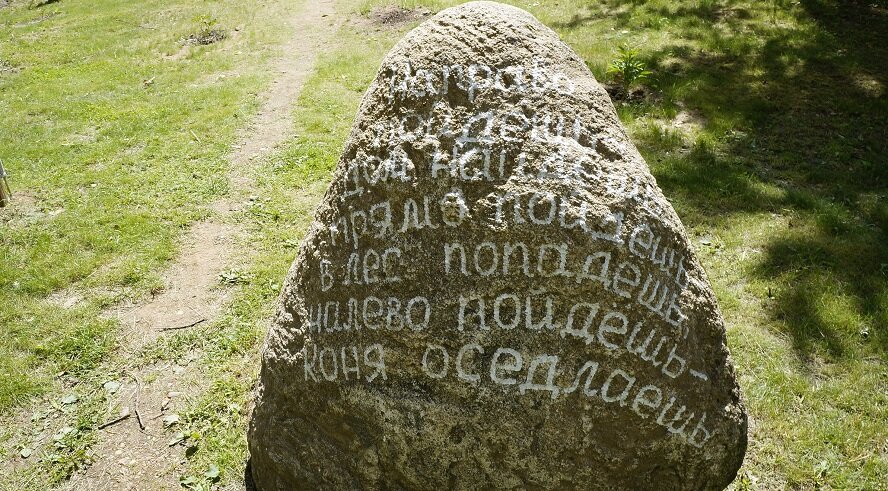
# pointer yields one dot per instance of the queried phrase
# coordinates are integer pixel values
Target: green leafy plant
(209, 33)
(205, 482)
(209, 23)
(33, 4)
(627, 68)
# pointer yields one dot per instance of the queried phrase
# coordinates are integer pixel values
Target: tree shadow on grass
(796, 125)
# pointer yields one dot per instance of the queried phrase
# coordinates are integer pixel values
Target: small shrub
(208, 33)
(33, 4)
(627, 68)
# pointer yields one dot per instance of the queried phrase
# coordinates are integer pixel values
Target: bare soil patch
(24, 207)
(192, 290)
(640, 93)
(66, 299)
(394, 16)
(206, 37)
(690, 119)
(138, 452)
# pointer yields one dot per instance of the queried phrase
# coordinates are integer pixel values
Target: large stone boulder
(494, 292)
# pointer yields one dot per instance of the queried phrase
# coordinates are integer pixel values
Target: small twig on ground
(136, 405)
(114, 421)
(186, 326)
(139, 416)
(195, 136)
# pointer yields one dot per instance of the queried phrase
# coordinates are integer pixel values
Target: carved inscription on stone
(470, 146)
(492, 240)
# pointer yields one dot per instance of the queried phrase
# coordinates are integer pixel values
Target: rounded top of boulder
(496, 33)
(494, 292)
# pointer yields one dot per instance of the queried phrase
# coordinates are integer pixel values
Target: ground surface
(160, 182)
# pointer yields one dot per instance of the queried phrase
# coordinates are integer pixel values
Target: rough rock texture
(494, 292)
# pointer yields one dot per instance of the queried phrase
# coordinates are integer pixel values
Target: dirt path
(134, 456)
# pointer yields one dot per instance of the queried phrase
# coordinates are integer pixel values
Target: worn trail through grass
(138, 453)
(135, 450)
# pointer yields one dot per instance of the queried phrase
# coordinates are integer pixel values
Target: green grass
(115, 137)
(117, 166)
(781, 178)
